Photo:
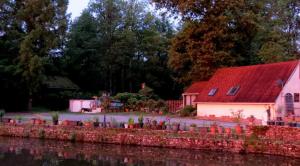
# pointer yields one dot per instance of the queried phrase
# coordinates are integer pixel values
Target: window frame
(212, 92)
(296, 97)
(233, 90)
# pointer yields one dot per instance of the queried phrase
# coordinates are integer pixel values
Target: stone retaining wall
(262, 140)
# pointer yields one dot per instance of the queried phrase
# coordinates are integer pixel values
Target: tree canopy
(231, 33)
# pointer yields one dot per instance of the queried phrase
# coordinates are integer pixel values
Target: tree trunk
(29, 106)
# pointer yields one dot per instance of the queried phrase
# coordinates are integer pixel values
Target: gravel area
(117, 117)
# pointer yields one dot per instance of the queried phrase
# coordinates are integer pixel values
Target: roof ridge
(256, 65)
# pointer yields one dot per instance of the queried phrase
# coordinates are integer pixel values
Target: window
(212, 92)
(296, 97)
(233, 90)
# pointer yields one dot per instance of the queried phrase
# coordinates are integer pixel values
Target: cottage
(267, 91)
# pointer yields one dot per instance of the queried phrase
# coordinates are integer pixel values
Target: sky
(76, 7)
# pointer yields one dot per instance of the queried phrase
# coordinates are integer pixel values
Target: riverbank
(282, 141)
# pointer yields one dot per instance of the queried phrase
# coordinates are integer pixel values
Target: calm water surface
(32, 152)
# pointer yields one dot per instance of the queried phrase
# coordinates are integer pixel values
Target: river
(33, 152)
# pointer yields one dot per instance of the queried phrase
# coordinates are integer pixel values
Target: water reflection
(32, 152)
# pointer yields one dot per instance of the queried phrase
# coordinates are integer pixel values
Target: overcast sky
(76, 7)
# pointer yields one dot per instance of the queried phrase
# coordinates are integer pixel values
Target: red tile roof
(196, 87)
(257, 84)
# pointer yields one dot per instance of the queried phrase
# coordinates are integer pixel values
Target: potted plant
(213, 128)
(175, 126)
(12, 121)
(55, 117)
(88, 123)
(251, 120)
(130, 123)
(19, 119)
(141, 120)
(193, 127)
(96, 122)
(38, 121)
(66, 123)
(237, 118)
(126, 125)
(220, 129)
(162, 125)
(2, 112)
(228, 131)
(154, 124)
(79, 123)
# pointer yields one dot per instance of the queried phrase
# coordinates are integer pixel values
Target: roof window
(233, 90)
(212, 92)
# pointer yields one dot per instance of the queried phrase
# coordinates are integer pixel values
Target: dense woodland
(116, 45)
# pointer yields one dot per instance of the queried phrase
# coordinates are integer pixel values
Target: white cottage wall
(291, 86)
(225, 109)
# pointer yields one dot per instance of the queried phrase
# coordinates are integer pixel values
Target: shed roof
(196, 87)
(59, 82)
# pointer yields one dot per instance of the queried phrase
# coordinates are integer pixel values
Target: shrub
(55, 116)
(187, 111)
(130, 121)
(19, 118)
(2, 112)
(141, 119)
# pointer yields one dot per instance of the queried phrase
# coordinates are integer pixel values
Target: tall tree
(229, 33)
(41, 26)
(120, 45)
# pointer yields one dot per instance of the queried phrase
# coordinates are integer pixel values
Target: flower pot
(141, 125)
(79, 123)
(65, 123)
(55, 122)
(96, 124)
(213, 129)
(12, 121)
(38, 121)
(228, 131)
(238, 129)
(131, 126)
(126, 126)
(88, 124)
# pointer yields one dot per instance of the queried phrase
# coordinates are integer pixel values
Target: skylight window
(212, 92)
(233, 90)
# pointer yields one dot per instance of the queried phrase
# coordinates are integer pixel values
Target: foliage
(130, 121)
(187, 111)
(116, 45)
(55, 116)
(30, 31)
(141, 118)
(231, 33)
(237, 116)
(2, 113)
(19, 117)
